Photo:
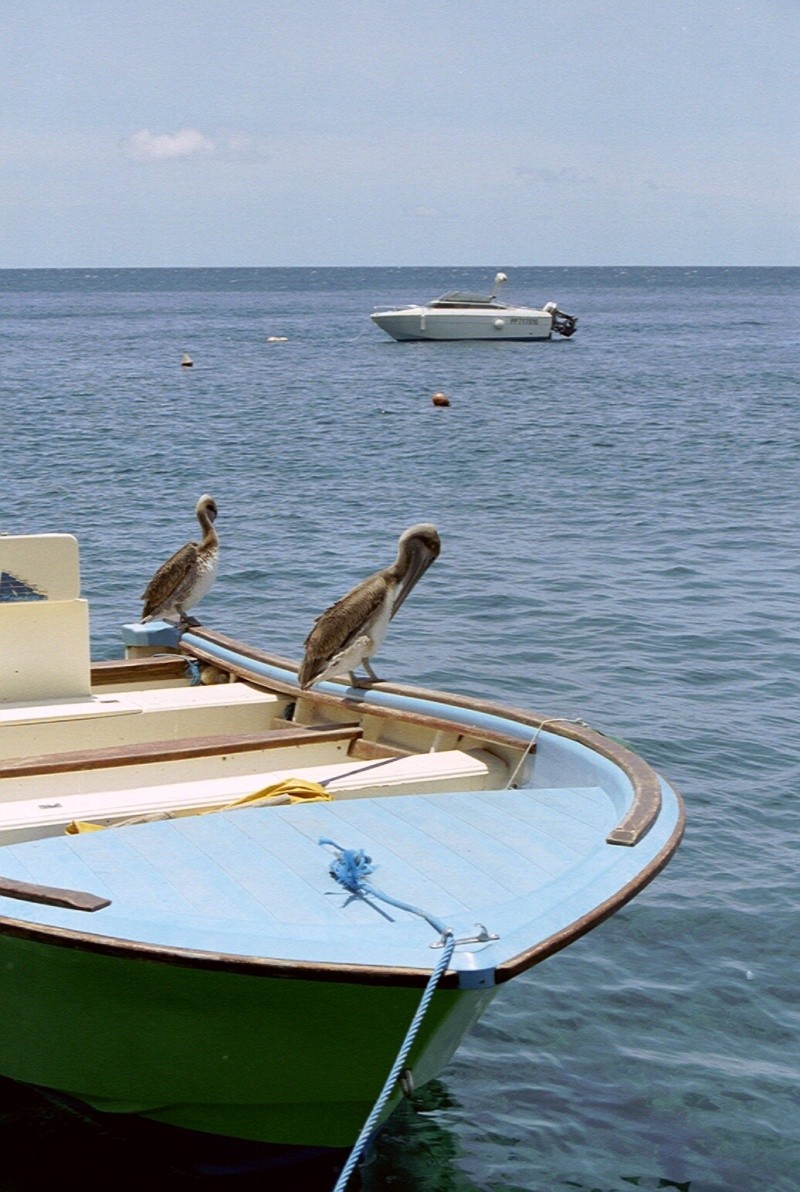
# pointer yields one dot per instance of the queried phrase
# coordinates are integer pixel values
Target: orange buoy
(440, 399)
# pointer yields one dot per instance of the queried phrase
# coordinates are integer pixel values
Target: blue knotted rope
(350, 868)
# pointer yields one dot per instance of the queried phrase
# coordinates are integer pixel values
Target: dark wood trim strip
(139, 670)
(74, 900)
(174, 750)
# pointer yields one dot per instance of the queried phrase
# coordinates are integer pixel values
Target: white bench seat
(430, 773)
(108, 719)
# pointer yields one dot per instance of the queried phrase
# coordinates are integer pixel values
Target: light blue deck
(256, 882)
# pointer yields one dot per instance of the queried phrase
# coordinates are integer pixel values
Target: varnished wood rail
(172, 750)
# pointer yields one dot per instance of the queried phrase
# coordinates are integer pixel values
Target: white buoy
(187, 361)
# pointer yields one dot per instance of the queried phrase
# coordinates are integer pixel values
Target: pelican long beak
(420, 561)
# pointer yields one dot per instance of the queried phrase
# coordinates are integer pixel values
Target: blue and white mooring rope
(195, 674)
(350, 868)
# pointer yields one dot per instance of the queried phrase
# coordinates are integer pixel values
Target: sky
(399, 132)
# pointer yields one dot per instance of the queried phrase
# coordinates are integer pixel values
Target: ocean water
(621, 534)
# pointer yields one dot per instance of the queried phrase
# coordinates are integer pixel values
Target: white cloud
(146, 146)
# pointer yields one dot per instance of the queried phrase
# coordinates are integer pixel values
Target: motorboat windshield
(463, 298)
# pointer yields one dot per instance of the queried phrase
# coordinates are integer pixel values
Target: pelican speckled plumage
(186, 577)
(347, 634)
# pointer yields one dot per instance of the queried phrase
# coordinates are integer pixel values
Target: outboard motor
(563, 323)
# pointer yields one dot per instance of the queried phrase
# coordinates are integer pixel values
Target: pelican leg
(359, 681)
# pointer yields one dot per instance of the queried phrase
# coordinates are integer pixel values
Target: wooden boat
(174, 939)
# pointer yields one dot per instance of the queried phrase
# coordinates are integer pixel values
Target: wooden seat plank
(173, 750)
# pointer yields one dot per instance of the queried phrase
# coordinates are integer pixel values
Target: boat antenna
(499, 278)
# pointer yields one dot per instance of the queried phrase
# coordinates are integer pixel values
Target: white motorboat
(461, 315)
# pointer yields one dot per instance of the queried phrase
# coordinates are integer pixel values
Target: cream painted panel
(44, 650)
(45, 563)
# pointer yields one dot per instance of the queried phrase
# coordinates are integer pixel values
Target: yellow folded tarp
(289, 790)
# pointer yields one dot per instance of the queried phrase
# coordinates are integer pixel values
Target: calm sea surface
(621, 542)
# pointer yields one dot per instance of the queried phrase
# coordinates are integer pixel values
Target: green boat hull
(286, 1061)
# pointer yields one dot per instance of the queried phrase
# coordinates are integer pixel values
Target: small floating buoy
(440, 399)
(187, 361)
(277, 339)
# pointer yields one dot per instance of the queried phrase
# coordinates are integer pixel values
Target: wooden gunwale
(646, 804)
(560, 940)
(322, 698)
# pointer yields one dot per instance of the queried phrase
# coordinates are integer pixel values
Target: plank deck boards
(454, 854)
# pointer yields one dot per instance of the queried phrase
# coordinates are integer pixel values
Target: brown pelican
(186, 577)
(350, 631)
